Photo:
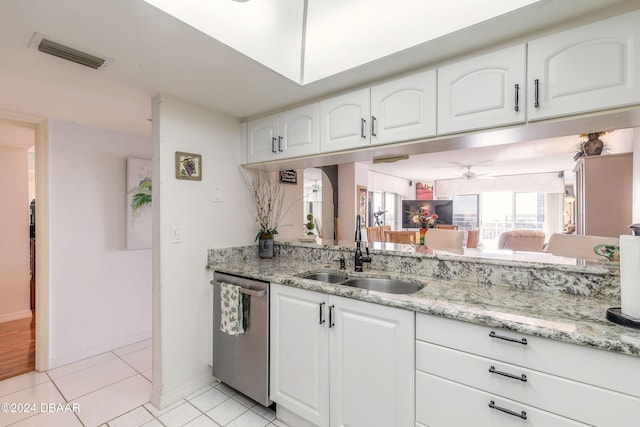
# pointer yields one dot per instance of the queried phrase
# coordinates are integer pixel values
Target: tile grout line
(63, 397)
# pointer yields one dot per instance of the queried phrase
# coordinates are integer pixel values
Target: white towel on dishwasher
(231, 316)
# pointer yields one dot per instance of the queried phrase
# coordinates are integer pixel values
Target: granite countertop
(569, 318)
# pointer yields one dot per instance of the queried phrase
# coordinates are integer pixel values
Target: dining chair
(373, 234)
(473, 238)
(522, 240)
(437, 238)
(447, 226)
(578, 246)
(406, 237)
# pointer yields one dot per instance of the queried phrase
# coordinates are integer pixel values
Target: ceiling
(154, 53)
(305, 40)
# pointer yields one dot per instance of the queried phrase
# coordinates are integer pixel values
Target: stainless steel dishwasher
(243, 361)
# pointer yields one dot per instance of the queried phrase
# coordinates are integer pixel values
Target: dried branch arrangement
(267, 195)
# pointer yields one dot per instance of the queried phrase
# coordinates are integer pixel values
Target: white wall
(292, 222)
(636, 176)
(182, 293)
(14, 244)
(100, 293)
(350, 175)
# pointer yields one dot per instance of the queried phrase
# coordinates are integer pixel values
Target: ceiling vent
(39, 42)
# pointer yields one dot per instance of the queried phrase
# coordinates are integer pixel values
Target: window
(382, 202)
(465, 211)
(503, 211)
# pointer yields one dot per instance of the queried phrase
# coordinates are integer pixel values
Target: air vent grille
(70, 54)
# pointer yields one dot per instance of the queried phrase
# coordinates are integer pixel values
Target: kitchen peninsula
(545, 317)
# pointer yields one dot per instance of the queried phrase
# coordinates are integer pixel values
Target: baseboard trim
(98, 349)
(292, 419)
(15, 316)
(168, 398)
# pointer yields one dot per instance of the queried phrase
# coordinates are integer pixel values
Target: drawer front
(531, 387)
(443, 403)
(570, 361)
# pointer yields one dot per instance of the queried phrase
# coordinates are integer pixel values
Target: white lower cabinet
(444, 403)
(341, 362)
(462, 368)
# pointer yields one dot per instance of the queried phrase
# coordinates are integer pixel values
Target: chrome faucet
(359, 258)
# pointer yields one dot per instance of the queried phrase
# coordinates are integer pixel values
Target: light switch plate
(176, 234)
(217, 195)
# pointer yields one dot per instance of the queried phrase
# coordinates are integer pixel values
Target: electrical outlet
(518, 278)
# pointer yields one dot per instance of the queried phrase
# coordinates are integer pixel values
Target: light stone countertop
(569, 318)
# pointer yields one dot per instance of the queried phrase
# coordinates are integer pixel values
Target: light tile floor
(113, 389)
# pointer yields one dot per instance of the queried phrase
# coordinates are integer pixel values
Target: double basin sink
(389, 286)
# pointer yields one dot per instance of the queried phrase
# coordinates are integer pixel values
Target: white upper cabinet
(300, 131)
(262, 135)
(482, 92)
(589, 68)
(345, 121)
(404, 109)
(292, 133)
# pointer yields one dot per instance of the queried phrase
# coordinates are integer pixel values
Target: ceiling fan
(471, 175)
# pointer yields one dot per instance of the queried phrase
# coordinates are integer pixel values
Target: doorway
(17, 249)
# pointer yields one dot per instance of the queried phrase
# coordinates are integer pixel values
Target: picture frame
(361, 204)
(188, 166)
(289, 176)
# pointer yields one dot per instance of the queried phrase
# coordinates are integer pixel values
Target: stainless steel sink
(389, 286)
(326, 277)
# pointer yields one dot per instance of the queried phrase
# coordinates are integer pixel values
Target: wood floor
(17, 347)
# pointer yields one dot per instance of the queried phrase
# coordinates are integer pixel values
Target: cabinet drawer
(537, 389)
(443, 403)
(580, 363)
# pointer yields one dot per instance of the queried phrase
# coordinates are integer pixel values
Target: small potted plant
(268, 198)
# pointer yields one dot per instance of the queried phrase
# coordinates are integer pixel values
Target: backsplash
(588, 280)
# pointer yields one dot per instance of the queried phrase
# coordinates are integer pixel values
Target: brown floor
(17, 347)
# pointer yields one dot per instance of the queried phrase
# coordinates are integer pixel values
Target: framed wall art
(188, 166)
(361, 203)
(138, 227)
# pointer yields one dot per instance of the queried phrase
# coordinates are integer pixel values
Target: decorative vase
(265, 246)
(593, 146)
(423, 231)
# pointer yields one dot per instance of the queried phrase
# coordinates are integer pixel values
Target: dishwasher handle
(253, 293)
(247, 291)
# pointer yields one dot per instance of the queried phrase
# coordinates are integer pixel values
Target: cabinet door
(372, 364)
(262, 135)
(404, 109)
(300, 131)
(299, 360)
(589, 68)
(345, 121)
(481, 92)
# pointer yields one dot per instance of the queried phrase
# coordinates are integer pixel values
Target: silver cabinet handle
(363, 124)
(536, 92)
(321, 306)
(522, 341)
(273, 145)
(522, 414)
(331, 324)
(517, 103)
(280, 144)
(522, 377)
(373, 126)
